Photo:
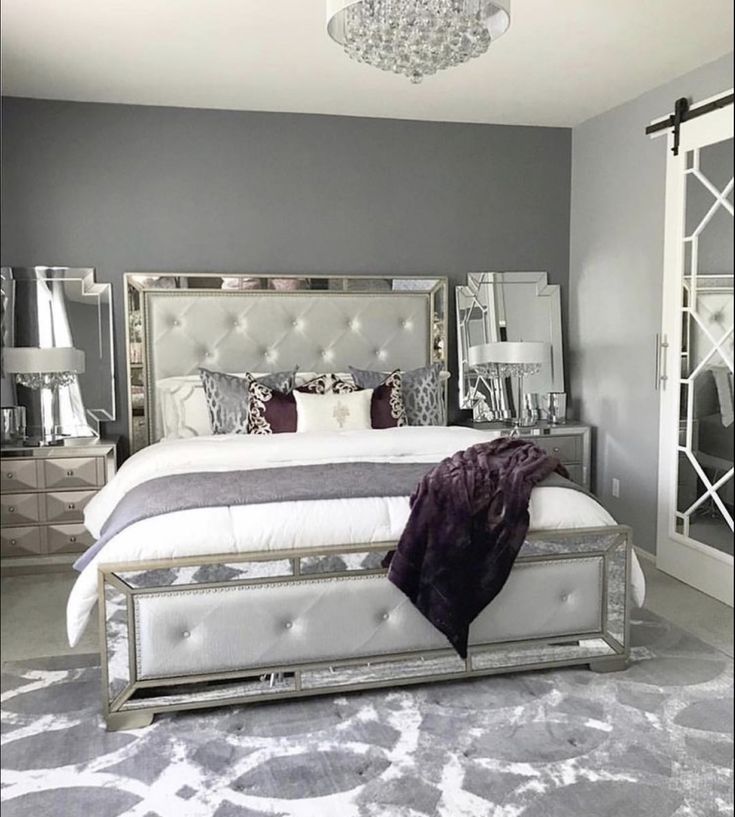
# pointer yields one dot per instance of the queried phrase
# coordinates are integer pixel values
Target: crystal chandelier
(416, 37)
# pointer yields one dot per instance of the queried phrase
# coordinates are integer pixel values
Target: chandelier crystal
(416, 38)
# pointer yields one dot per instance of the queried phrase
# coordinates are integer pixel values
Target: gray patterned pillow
(423, 393)
(228, 397)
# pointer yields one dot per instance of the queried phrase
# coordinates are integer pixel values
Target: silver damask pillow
(423, 393)
(228, 397)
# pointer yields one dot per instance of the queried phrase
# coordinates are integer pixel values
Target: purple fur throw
(469, 518)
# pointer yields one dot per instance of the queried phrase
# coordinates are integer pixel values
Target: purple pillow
(387, 409)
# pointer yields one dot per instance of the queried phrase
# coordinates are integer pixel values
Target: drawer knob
(70, 473)
(10, 475)
(13, 541)
(72, 539)
(71, 506)
(11, 509)
(556, 449)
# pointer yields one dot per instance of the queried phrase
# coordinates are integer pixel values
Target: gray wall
(124, 188)
(615, 286)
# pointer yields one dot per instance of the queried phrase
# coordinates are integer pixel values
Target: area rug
(653, 741)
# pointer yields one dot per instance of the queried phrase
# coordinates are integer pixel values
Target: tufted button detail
(385, 616)
(288, 625)
(175, 323)
(565, 597)
(186, 634)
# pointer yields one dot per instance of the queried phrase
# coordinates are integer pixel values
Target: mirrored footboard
(207, 631)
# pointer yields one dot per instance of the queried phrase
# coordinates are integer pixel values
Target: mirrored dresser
(44, 493)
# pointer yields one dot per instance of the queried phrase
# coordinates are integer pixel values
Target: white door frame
(694, 563)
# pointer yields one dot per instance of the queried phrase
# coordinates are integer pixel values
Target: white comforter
(303, 524)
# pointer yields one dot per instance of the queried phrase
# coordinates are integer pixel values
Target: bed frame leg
(615, 664)
(117, 721)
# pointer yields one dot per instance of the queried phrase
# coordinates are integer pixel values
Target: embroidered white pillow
(332, 411)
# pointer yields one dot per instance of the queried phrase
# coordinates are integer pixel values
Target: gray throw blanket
(213, 489)
(469, 518)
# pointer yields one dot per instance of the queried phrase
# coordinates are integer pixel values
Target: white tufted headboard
(403, 325)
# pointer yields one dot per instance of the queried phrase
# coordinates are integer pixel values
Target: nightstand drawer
(67, 506)
(19, 475)
(565, 448)
(21, 541)
(19, 509)
(67, 538)
(74, 472)
(576, 474)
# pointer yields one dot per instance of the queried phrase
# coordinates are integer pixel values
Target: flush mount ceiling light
(416, 37)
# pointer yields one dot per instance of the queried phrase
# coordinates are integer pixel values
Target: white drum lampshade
(510, 353)
(35, 360)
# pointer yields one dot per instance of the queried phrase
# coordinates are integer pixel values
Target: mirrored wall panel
(260, 323)
(62, 308)
(704, 511)
(507, 306)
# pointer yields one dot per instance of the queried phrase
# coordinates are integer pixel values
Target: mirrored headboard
(508, 306)
(177, 322)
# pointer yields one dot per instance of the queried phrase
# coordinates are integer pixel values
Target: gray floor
(34, 614)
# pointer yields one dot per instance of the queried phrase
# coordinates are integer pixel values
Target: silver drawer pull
(70, 473)
(11, 508)
(72, 539)
(71, 507)
(13, 541)
(556, 449)
(10, 475)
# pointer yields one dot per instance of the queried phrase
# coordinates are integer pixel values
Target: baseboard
(646, 555)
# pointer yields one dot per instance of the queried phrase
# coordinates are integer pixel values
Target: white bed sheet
(307, 524)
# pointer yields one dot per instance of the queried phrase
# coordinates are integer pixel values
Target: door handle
(662, 366)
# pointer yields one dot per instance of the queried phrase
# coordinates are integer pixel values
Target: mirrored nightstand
(44, 493)
(571, 442)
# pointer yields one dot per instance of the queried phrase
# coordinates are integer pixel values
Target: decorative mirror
(66, 310)
(507, 306)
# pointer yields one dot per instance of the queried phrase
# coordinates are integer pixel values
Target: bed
(205, 606)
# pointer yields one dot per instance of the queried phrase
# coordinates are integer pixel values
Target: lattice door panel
(704, 506)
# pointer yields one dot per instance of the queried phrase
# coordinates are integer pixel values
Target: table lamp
(511, 358)
(50, 368)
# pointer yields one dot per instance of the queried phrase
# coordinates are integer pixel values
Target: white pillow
(333, 412)
(183, 407)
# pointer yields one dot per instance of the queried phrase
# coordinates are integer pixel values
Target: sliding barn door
(695, 523)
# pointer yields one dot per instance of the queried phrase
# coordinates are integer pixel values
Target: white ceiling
(561, 62)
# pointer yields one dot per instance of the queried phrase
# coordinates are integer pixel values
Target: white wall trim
(644, 554)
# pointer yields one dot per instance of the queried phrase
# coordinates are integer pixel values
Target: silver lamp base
(43, 442)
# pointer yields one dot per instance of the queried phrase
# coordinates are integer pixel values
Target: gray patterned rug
(655, 741)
